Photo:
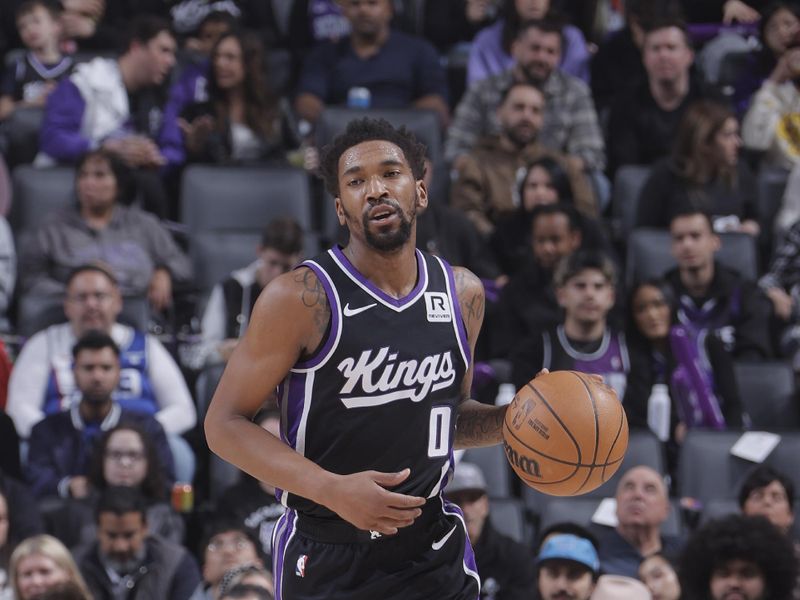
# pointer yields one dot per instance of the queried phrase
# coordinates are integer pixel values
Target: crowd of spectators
(565, 129)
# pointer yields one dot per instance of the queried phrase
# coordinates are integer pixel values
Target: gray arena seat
(37, 193)
(649, 254)
(226, 208)
(492, 462)
(508, 517)
(707, 471)
(628, 183)
(767, 391)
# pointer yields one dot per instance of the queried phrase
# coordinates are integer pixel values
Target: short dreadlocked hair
(736, 537)
(366, 130)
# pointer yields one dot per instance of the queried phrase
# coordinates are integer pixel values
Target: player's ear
(422, 194)
(339, 211)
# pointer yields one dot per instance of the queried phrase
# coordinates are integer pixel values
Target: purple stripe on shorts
(280, 544)
(469, 554)
(335, 312)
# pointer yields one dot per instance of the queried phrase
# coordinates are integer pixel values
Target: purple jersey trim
(470, 565)
(336, 321)
(295, 400)
(379, 294)
(282, 535)
(462, 331)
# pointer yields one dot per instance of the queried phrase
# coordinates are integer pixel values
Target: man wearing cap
(505, 566)
(568, 567)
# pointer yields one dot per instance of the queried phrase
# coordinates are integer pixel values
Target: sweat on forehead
(369, 153)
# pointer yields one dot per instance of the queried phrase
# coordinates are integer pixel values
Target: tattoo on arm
(471, 296)
(479, 425)
(313, 296)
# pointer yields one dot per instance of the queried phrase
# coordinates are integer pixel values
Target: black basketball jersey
(27, 78)
(382, 392)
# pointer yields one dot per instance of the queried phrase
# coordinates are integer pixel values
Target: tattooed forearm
(313, 297)
(479, 425)
(470, 296)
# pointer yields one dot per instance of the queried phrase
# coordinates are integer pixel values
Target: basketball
(565, 433)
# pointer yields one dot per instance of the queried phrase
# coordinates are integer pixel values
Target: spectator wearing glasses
(61, 444)
(43, 382)
(125, 456)
(228, 310)
(228, 545)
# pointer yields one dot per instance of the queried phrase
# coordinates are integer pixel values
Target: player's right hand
(363, 500)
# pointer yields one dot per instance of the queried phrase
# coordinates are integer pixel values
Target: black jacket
(738, 310)
(506, 567)
(168, 571)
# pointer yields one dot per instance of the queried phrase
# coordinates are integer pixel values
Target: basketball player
(371, 346)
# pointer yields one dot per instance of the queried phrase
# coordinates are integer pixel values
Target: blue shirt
(404, 69)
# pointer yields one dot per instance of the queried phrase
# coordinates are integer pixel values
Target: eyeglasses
(237, 543)
(83, 298)
(121, 455)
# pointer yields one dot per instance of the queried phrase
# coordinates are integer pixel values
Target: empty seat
(767, 391)
(243, 199)
(21, 130)
(708, 471)
(629, 181)
(650, 255)
(37, 193)
(508, 517)
(492, 461)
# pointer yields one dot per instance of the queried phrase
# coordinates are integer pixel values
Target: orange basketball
(565, 433)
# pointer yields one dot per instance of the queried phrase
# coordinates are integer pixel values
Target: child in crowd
(33, 75)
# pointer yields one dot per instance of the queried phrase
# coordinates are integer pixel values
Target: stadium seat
(771, 186)
(21, 130)
(508, 517)
(708, 471)
(580, 510)
(37, 193)
(628, 183)
(226, 208)
(492, 461)
(650, 256)
(767, 391)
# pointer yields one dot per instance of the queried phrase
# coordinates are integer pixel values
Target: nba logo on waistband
(300, 569)
(438, 306)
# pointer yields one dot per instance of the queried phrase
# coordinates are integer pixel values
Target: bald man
(642, 508)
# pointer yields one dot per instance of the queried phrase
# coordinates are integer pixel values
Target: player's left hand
(363, 500)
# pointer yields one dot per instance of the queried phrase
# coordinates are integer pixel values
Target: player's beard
(391, 240)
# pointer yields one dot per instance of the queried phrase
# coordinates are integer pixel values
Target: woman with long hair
(40, 563)
(704, 173)
(779, 30)
(490, 52)
(124, 456)
(696, 369)
(241, 121)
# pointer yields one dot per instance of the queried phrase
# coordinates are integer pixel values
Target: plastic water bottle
(658, 411)
(359, 97)
(505, 394)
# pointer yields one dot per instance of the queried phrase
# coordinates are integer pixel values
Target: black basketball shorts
(429, 560)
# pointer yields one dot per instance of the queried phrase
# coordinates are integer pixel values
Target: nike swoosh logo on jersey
(443, 541)
(352, 312)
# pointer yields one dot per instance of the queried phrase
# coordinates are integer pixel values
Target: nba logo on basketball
(300, 568)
